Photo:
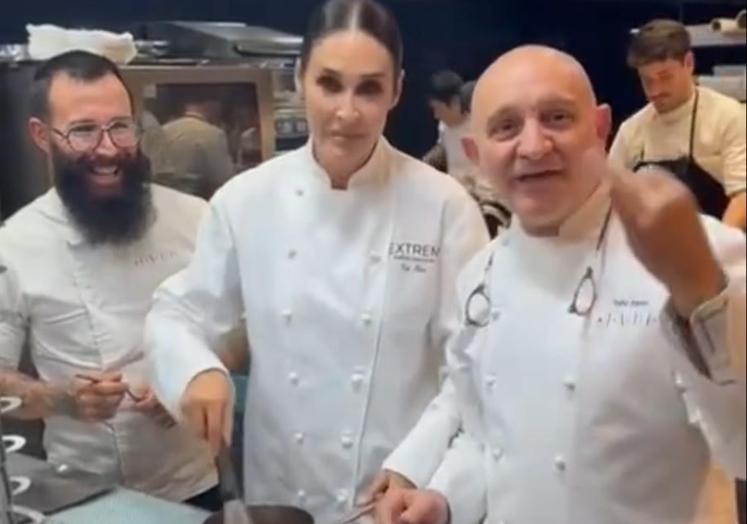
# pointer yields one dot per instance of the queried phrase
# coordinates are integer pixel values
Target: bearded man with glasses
(78, 267)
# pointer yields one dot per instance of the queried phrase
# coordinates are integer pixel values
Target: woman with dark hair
(341, 259)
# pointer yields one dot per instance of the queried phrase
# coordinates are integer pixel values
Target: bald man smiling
(599, 376)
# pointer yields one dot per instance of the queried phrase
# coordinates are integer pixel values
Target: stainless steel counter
(121, 506)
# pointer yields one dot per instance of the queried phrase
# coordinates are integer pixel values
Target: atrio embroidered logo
(155, 258)
(414, 256)
(629, 313)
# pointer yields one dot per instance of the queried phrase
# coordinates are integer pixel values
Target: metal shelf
(703, 36)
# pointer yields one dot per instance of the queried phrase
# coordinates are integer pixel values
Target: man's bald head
(530, 60)
(535, 119)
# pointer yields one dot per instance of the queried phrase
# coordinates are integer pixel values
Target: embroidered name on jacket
(154, 258)
(414, 256)
(624, 312)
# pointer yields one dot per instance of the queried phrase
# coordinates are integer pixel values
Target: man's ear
(603, 122)
(471, 150)
(690, 62)
(40, 135)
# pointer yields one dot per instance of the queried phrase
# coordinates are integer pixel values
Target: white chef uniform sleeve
(194, 310)
(465, 234)
(709, 358)
(13, 319)
(419, 455)
(461, 478)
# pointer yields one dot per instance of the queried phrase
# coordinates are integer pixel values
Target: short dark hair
(365, 15)
(444, 86)
(80, 65)
(657, 41)
(466, 94)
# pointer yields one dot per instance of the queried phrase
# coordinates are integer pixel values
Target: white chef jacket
(719, 143)
(82, 308)
(349, 299)
(598, 420)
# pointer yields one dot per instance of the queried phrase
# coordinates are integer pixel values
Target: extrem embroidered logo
(413, 256)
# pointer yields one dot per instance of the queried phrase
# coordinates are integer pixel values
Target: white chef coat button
(679, 382)
(293, 378)
(299, 438)
(342, 498)
(495, 314)
(347, 441)
(299, 192)
(375, 258)
(301, 496)
(287, 316)
(497, 454)
(357, 380)
(570, 384)
(367, 318)
(490, 382)
(292, 253)
(560, 463)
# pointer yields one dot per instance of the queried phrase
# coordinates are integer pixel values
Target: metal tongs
(94, 380)
(234, 510)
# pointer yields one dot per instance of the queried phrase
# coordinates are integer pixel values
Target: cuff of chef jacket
(704, 337)
(408, 462)
(176, 379)
(461, 479)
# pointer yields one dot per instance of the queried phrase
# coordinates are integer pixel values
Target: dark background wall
(461, 34)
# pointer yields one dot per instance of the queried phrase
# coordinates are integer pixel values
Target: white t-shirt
(451, 140)
(719, 145)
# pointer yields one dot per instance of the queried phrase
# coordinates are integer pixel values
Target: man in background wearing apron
(694, 132)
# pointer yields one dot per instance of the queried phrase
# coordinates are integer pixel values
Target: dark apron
(709, 192)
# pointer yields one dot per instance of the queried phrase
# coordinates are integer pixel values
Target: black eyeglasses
(586, 294)
(85, 138)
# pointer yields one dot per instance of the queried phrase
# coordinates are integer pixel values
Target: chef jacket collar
(373, 170)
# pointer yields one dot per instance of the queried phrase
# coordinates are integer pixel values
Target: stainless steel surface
(11, 487)
(703, 36)
(121, 506)
(228, 41)
(52, 488)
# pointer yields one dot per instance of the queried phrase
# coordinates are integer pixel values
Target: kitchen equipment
(54, 488)
(223, 41)
(10, 487)
(94, 380)
(234, 511)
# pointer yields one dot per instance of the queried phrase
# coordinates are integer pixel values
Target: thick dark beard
(118, 219)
